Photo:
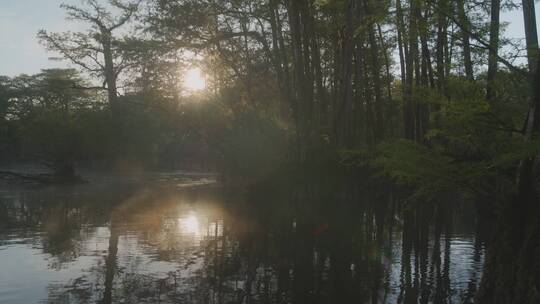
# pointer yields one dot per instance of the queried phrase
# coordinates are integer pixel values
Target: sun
(194, 80)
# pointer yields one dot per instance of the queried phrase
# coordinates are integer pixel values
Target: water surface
(184, 240)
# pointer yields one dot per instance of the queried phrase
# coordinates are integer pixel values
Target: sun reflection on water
(189, 225)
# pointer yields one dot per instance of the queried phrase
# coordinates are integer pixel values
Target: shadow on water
(147, 244)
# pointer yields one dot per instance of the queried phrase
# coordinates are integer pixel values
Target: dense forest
(428, 97)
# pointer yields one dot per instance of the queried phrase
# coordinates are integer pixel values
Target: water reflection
(189, 224)
(140, 244)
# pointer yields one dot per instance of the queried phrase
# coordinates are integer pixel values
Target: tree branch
(485, 44)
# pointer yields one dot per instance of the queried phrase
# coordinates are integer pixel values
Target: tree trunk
(277, 61)
(411, 58)
(531, 35)
(512, 268)
(360, 83)
(493, 48)
(285, 64)
(400, 30)
(464, 20)
(344, 119)
(305, 21)
(299, 77)
(441, 45)
(110, 73)
(387, 64)
(377, 87)
(531, 38)
(319, 82)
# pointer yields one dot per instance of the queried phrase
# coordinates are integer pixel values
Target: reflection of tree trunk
(445, 276)
(423, 243)
(440, 273)
(302, 264)
(407, 292)
(435, 272)
(472, 287)
(110, 264)
(283, 278)
(251, 270)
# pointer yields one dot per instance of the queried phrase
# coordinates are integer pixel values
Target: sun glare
(190, 225)
(194, 80)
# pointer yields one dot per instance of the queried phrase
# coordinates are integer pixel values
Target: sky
(20, 20)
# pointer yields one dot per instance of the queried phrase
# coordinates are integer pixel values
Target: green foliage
(52, 137)
(431, 173)
(471, 149)
(95, 137)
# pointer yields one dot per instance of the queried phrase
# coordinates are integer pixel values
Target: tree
(96, 51)
(465, 36)
(493, 48)
(41, 109)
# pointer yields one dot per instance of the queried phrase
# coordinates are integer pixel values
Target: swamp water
(186, 240)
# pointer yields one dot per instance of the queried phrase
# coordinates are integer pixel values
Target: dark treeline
(430, 93)
(49, 118)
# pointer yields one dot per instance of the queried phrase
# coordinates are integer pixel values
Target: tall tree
(494, 29)
(511, 268)
(411, 69)
(442, 41)
(96, 51)
(465, 37)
